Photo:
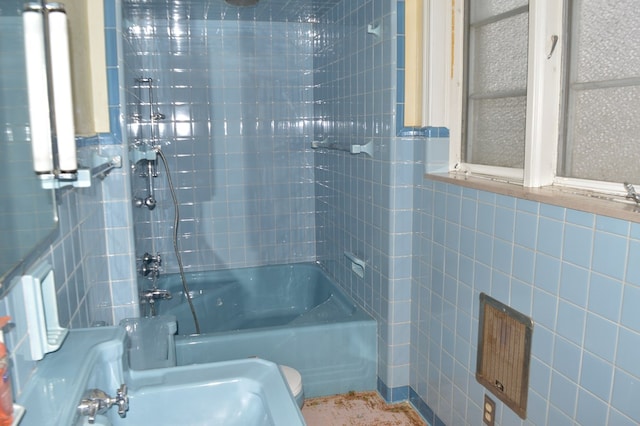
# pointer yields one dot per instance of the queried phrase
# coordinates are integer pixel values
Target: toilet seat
(294, 379)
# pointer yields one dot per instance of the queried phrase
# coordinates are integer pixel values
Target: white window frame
(544, 91)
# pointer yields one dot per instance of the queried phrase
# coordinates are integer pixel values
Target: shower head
(242, 2)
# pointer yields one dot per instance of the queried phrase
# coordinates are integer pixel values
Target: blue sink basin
(234, 393)
(244, 392)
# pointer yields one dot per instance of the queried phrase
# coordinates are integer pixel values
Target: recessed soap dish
(41, 312)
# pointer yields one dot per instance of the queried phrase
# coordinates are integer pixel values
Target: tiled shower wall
(364, 205)
(243, 100)
(238, 101)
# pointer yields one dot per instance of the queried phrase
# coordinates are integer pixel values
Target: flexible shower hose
(176, 221)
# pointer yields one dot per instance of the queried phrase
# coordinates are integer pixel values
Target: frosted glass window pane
(605, 135)
(481, 10)
(603, 131)
(499, 56)
(606, 37)
(497, 132)
(497, 85)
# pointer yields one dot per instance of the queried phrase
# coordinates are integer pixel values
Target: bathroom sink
(233, 393)
(241, 392)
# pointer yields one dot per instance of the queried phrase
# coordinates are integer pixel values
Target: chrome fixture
(143, 142)
(149, 296)
(353, 149)
(150, 265)
(96, 402)
(242, 3)
(149, 117)
(149, 258)
(150, 200)
(631, 193)
(150, 268)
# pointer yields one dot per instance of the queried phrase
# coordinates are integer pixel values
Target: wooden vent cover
(504, 353)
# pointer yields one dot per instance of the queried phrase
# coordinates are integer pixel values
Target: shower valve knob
(149, 258)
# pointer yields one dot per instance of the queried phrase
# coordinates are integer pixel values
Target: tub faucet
(150, 265)
(149, 297)
(152, 294)
(96, 402)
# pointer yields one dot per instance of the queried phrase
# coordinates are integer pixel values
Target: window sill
(563, 197)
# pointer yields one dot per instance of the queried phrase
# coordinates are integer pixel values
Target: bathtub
(289, 314)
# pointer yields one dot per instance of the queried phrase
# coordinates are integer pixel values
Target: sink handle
(122, 400)
(96, 402)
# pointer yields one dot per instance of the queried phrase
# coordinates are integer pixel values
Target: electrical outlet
(489, 411)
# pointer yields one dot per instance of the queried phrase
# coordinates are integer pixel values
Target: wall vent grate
(504, 353)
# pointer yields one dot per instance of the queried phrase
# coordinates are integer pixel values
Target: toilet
(294, 381)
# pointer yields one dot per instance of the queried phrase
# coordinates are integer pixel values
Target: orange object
(6, 397)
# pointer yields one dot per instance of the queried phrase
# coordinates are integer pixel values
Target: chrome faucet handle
(96, 401)
(122, 400)
(146, 269)
(149, 258)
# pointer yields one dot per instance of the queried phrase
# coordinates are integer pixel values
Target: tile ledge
(563, 197)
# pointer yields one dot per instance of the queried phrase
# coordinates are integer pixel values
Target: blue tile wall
(238, 97)
(118, 298)
(430, 247)
(566, 269)
(77, 258)
(81, 255)
(364, 205)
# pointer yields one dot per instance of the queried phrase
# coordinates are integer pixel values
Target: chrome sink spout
(96, 402)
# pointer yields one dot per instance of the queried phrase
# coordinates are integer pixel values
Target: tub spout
(154, 294)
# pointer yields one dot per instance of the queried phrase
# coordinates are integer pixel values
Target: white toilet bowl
(294, 380)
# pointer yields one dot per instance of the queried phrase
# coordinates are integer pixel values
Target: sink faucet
(96, 402)
(631, 193)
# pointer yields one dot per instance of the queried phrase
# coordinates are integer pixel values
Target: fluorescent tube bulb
(40, 122)
(62, 95)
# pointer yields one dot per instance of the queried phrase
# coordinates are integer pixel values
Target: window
(551, 93)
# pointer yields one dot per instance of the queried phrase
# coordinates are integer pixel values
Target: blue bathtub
(289, 314)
